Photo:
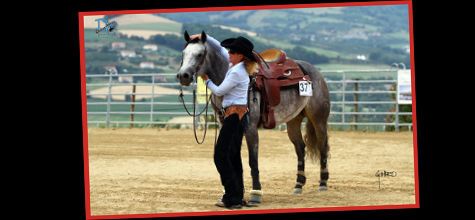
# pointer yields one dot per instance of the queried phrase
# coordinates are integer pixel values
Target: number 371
(305, 88)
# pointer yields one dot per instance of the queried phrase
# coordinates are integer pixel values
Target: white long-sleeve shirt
(234, 86)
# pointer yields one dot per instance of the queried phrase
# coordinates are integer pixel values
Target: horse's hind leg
(295, 136)
(321, 133)
(322, 137)
(252, 140)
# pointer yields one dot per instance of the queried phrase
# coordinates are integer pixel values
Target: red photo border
(238, 212)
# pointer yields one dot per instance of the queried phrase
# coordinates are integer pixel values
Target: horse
(199, 57)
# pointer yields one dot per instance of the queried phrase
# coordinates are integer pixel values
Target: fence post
(132, 106)
(355, 105)
(109, 98)
(343, 99)
(151, 101)
(397, 117)
(396, 121)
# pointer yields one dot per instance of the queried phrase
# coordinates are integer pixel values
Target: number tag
(305, 88)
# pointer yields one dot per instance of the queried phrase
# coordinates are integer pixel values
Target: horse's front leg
(252, 140)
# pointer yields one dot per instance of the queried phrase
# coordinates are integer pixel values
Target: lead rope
(194, 90)
(196, 116)
(184, 105)
(215, 128)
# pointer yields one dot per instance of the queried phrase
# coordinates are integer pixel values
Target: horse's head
(193, 58)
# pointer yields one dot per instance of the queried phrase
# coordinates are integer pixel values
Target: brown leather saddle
(276, 71)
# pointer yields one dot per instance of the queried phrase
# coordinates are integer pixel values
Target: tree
(169, 40)
(301, 53)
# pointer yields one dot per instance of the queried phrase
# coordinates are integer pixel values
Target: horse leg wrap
(323, 178)
(323, 181)
(301, 179)
(256, 196)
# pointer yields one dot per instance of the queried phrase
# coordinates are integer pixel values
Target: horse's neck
(216, 65)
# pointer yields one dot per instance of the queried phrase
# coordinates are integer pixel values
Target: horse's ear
(203, 36)
(187, 36)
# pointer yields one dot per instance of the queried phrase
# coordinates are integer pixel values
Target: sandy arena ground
(142, 171)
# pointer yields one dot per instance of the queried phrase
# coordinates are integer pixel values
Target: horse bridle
(205, 109)
(198, 67)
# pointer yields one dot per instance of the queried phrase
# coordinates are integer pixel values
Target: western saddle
(276, 71)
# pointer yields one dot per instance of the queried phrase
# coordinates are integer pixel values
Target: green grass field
(285, 45)
(399, 35)
(361, 75)
(256, 19)
(350, 67)
(331, 71)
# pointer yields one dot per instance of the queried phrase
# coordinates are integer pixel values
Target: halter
(194, 115)
(198, 67)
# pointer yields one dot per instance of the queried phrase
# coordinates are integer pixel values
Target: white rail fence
(359, 99)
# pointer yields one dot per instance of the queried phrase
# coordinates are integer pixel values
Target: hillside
(371, 23)
(338, 37)
(344, 32)
(141, 25)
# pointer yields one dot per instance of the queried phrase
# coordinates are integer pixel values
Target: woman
(234, 90)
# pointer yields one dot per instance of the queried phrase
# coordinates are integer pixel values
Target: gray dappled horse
(199, 58)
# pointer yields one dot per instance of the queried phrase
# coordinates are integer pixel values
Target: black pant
(227, 158)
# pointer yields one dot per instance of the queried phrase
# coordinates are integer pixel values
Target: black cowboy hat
(241, 45)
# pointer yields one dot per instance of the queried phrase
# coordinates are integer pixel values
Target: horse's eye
(199, 55)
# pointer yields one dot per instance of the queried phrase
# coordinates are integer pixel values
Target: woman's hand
(204, 76)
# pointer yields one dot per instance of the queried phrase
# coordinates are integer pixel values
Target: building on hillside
(361, 57)
(151, 47)
(118, 45)
(128, 53)
(147, 65)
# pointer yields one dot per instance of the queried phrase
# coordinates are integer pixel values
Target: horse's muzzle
(185, 78)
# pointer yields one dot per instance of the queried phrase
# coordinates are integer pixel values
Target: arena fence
(360, 100)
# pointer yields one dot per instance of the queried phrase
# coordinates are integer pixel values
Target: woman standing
(234, 90)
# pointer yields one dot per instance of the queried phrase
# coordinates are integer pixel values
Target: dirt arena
(141, 171)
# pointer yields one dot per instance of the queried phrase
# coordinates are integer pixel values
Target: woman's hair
(251, 66)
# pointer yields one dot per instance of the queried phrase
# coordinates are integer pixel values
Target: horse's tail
(316, 137)
(310, 139)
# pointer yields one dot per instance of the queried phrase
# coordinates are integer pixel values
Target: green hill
(380, 32)
(327, 37)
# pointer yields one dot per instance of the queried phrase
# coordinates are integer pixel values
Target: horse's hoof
(297, 191)
(255, 197)
(322, 188)
(252, 204)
